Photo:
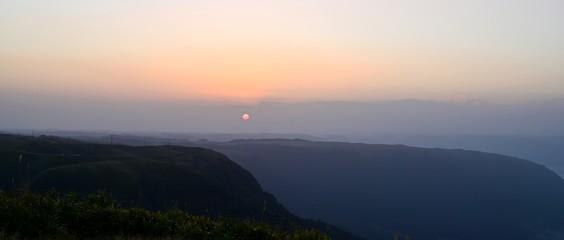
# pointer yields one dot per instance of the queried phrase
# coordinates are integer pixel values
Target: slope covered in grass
(30, 215)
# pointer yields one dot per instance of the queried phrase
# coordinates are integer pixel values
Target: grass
(25, 215)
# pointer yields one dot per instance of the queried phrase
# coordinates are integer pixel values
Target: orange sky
(291, 50)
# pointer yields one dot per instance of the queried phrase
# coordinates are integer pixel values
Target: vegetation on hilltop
(31, 215)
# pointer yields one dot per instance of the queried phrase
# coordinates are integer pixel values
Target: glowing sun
(245, 117)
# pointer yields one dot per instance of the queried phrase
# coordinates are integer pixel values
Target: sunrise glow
(250, 51)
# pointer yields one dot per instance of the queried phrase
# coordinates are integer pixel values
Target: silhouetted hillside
(427, 193)
(198, 180)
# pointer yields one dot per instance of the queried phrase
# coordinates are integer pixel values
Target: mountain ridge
(198, 180)
(430, 193)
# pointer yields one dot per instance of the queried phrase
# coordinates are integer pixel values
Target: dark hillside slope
(427, 193)
(198, 180)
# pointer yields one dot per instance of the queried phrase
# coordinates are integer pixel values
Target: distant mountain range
(426, 193)
(373, 190)
(547, 150)
(198, 180)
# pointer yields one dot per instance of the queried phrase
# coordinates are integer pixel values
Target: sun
(246, 117)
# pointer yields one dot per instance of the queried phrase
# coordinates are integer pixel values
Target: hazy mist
(318, 118)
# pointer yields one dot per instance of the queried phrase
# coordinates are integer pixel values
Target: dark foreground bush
(33, 215)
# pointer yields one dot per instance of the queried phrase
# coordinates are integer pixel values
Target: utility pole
(313, 210)
(21, 171)
(27, 175)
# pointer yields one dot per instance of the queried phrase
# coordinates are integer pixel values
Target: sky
(250, 51)
(307, 66)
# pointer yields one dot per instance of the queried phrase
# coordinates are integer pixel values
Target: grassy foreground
(33, 215)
